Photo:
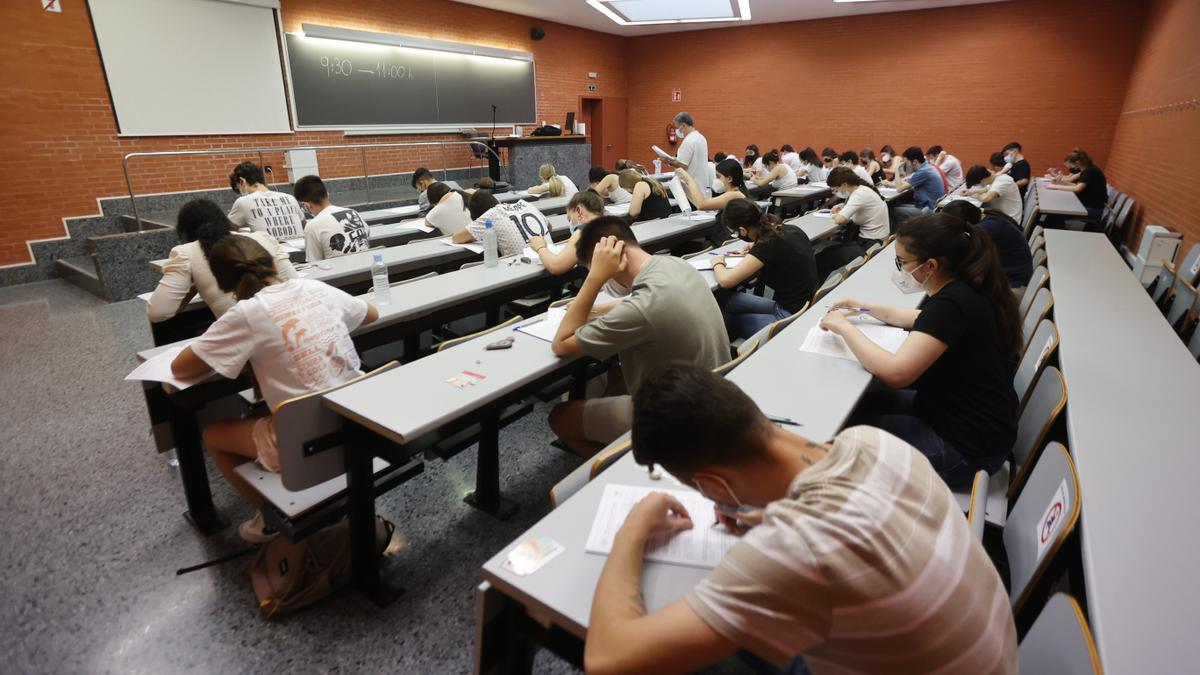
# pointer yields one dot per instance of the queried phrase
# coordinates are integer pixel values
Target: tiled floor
(91, 532)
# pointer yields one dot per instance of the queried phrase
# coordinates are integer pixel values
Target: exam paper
(823, 213)
(828, 343)
(660, 152)
(702, 546)
(528, 252)
(477, 248)
(704, 262)
(546, 327)
(680, 195)
(158, 369)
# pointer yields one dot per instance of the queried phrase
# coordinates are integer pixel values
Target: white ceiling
(579, 13)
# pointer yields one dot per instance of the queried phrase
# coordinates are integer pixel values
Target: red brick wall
(1154, 150)
(59, 149)
(1049, 73)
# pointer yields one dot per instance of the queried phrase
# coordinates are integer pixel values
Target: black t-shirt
(1011, 247)
(789, 267)
(1095, 190)
(653, 208)
(1020, 171)
(967, 395)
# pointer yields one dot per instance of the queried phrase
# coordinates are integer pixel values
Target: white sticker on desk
(1052, 518)
(530, 555)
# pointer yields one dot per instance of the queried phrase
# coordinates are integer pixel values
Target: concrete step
(81, 271)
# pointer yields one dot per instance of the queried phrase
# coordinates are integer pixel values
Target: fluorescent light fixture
(658, 12)
(408, 42)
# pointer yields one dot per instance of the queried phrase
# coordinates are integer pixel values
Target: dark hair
(976, 173)
(684, 118)
(202, 220)
(1078, 156)
(888, 149)
(751, 155)
(809, 155)
(439, 189)
(731, 168)
(485, 183)
(480, 202)
(786, 147)
(248, 171)
(421, 174)
(829, 153)
(593, 232)
(914, 154)
(935, 150)
(597, 173)
(997, 159)
(845, 175)
(867, 153)
(1012, 146)
(310, 189)
(719, 157)
(745, 213)
(772, 157)
(241, 266)
(963, 210)
(967, 254)
(849, 156)
(687, 419)
(589, 200)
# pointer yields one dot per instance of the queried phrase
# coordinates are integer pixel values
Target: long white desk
(817, 391)
(815, 226)
(1057, 202)
(1133, 391)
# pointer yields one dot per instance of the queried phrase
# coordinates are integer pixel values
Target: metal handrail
(260, 151)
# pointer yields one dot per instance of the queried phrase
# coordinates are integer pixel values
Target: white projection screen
(192, 67)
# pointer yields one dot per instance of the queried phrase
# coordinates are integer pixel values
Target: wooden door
(615, 141)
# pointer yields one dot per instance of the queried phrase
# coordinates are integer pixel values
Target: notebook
(702, 546)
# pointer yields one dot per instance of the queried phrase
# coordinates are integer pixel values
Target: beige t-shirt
(866, 566)
(868, 209)
(669, 316)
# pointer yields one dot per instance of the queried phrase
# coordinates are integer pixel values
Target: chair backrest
(830, 283)
(1038, 231)
(1193, 344)
(1184, 299)
(744, 351)
(1059, 642)
(1030, 216)
(609, 456)
(777, 327)
(874, 248)
(303, 420)
(1045, 404)
(977, 511)
(459, 340)
(1040, 276)
(1039, 256)
(468, 265)
(853, 265)
(1037, 243)
(1043, 344)
(1039, 309)
(1162, 283)
(1040, 521)
(1122, 217)
(1189, 268)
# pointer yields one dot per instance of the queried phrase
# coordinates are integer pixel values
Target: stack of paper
(701, 546)
(826, 343)
(661, 153)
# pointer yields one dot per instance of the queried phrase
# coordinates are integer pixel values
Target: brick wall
(1049, 73)
(1154, 149)
(59, 149)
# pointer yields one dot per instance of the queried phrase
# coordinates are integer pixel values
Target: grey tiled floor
(91, 532)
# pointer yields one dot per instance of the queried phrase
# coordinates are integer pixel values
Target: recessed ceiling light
(654, 12)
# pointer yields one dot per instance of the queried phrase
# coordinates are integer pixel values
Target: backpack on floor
(290, 575)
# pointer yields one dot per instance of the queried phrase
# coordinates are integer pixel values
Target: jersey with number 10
(515, 223)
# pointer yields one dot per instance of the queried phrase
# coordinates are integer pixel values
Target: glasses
(901, 262)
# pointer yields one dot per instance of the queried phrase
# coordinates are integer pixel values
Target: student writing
(333, 230)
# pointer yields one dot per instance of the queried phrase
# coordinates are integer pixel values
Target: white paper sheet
(680, 195)
(617, 209)
(478, 248)
(660, 152)
(823, 213)
(529, 253)
(158, 369)
(954, 198)
(704, 262)
(546, 327)
(702, 546)
(292, 245)
(826, 343)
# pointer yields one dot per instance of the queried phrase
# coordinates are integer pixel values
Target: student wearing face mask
(752, 161)
(789, 156)
(858, 560)
(811, 166)
(866, 159)
(1086, 180)
(924, 181)
(583, 208)
(863, 206)
(717, 186)
(775, 173)
(729, 174)
(262, 209)
(829, 158)
(952, 379)
(782, 257)
(849, 159)
(890, 162)
(693, 151)
(948, 164)
(1019, 169)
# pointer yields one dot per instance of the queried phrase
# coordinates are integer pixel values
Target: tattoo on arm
(637, 600)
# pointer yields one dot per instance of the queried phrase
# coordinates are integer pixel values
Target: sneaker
(256, 531)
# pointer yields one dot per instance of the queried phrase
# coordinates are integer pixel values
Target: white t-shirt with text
(276, 213)
(333, 232)
(515, 224)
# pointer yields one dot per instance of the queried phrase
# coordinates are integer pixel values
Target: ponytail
(969, 256)
(556, 185)
(241, 266)
(730, 167)
(744, 213)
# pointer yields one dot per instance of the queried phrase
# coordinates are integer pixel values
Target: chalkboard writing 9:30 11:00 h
(337, 67)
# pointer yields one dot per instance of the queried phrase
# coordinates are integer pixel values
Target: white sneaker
(256, 531)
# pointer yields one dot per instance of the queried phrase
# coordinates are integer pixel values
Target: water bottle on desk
(491, 256)
(379, 276)
(657, 166)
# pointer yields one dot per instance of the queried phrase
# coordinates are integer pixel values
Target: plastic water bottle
(379, 275)
(657, 166)
(491, 256)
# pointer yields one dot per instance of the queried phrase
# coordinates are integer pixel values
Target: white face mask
(885, 157)
(681, 132)
(842, 194)
(718, 186)
(906, 282)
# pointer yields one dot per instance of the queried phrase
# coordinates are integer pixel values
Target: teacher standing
(693, 152)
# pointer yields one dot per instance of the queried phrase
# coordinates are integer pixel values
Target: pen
(864, 310)
(529, 323)
(784, 420)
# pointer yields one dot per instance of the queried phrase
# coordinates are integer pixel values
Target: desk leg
(486, 496)
(360, 497)
(201, 513)
(500, 648)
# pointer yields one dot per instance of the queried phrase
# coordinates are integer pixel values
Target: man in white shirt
(262, 209)
(849, 159)
(333, 230)
(693, 152)
(948, 163)
(1001, 193)
(515, 223)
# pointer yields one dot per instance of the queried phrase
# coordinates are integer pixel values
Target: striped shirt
(866, 566)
